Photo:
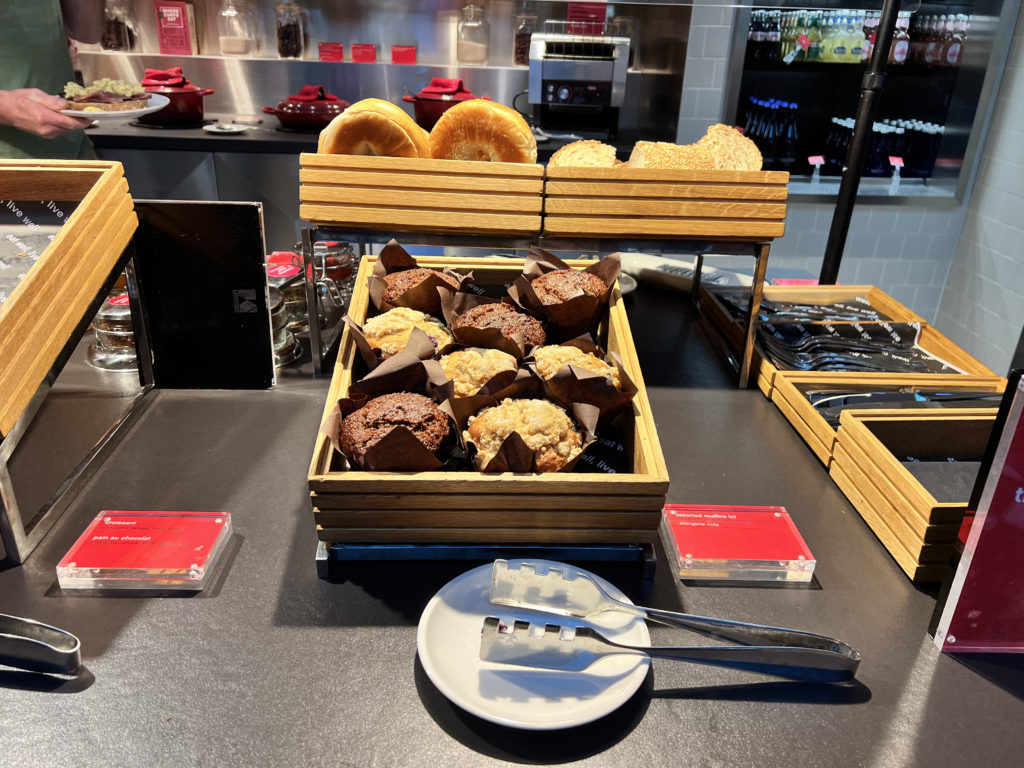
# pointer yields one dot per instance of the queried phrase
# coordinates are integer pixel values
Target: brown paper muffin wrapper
(454, 304)
(573, 384)
(419, 344)
(576, 315)
(518, 383)
(399, 450)
(424, 297)
(514, 455)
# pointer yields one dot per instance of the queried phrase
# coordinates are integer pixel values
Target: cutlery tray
(916, 517)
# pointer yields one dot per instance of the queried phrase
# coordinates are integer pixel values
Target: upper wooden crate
(660, 203)
(351, 505)
(420, 195)
(42, 312)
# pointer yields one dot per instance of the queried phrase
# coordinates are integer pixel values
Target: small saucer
(226, 128)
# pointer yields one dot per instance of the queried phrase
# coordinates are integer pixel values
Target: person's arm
(83, 19)
(35, 111)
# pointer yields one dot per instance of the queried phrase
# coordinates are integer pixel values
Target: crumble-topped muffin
(505, 318)
(564, 284)
(389, 332)
(363, 428)
(550, 360)
(545, 428)
(469, 369)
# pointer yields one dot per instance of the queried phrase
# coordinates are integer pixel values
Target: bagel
(586, 153)
(479, 129)
(374, 127)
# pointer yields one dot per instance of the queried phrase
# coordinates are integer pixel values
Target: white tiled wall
(707, 60)
(982, 307)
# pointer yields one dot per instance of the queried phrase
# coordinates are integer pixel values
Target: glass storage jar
(474, 35)
(524, 26)
(236, 29)
(120, 30)
(289, 30)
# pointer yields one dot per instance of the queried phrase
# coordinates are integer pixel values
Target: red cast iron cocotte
(435, 99)
(186, 100)
(311, 109)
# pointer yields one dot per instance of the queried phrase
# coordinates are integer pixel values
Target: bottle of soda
(900, 48)
(789, 138)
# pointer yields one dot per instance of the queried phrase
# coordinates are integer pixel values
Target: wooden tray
(420, 195)
(733, 329)
(919, 531)
(791, 387)
(40, 315)
(471, 507)
(657, 203)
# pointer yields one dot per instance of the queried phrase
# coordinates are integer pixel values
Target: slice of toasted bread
(584, 154)
(730, 150)
(661, 154)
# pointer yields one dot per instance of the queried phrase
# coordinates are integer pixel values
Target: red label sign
(119, 301)
(816, 160)
(331, 51)
(403, 54)
(897, 161)
(803, 41)
(283, 270)
(364, 53)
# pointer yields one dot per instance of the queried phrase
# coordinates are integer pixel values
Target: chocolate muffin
(505, 318)
(545, 428)
(400, 282)
(564, 284)
(469, 369)
(363, 428)
(389, 332)
(550, 360)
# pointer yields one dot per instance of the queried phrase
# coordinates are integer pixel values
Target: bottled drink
(755, 37)
(934, 46)
(814, 38)
(772, 38)
(953, 52)
(900, 48)
(789, 138)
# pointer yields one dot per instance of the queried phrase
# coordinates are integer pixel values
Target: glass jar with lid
(523, 27)
(288, 25)
(474, 36)
(236, 29)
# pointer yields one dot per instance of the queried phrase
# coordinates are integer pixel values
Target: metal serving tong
(28, 644)
(772, 650)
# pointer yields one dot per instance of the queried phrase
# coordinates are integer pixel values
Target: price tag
(816, 160)
(364, 53)
(896, 161)
(803, 41)
(331, 51)
(788, 58)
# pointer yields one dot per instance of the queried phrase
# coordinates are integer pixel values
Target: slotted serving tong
(757, 648)
(37, 647)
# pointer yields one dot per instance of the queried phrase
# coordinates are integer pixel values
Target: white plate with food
(96, 111)
(448, 643)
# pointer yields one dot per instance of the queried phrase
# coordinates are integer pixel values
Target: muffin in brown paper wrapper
(454, 304)
(419, 344)
(514, 455)
(423, 296)
(518, 383)
(572, 384)
(399, 450)
(579, 314)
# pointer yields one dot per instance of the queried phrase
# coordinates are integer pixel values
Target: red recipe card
(331, 51)
(403, 54)
(145, 550)
(364, 53)
(736, 543)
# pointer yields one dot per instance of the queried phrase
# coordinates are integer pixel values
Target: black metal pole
(871, 89)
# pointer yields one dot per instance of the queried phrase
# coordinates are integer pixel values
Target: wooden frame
(471, 507)
(48, 311)
(660, 203)
(420, 195)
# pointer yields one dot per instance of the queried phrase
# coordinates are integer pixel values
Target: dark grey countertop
(267, 137)
(274, 666)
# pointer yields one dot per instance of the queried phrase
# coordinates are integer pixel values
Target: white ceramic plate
(448, 642)
(156, 102)
(225, 129)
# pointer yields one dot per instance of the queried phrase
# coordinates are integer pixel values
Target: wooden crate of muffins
(713, 189)
(375, 168)
(487, 401)
(910, 476)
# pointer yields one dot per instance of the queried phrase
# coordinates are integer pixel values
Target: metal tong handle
(37, 647)
(741, 632)
(811, 664)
